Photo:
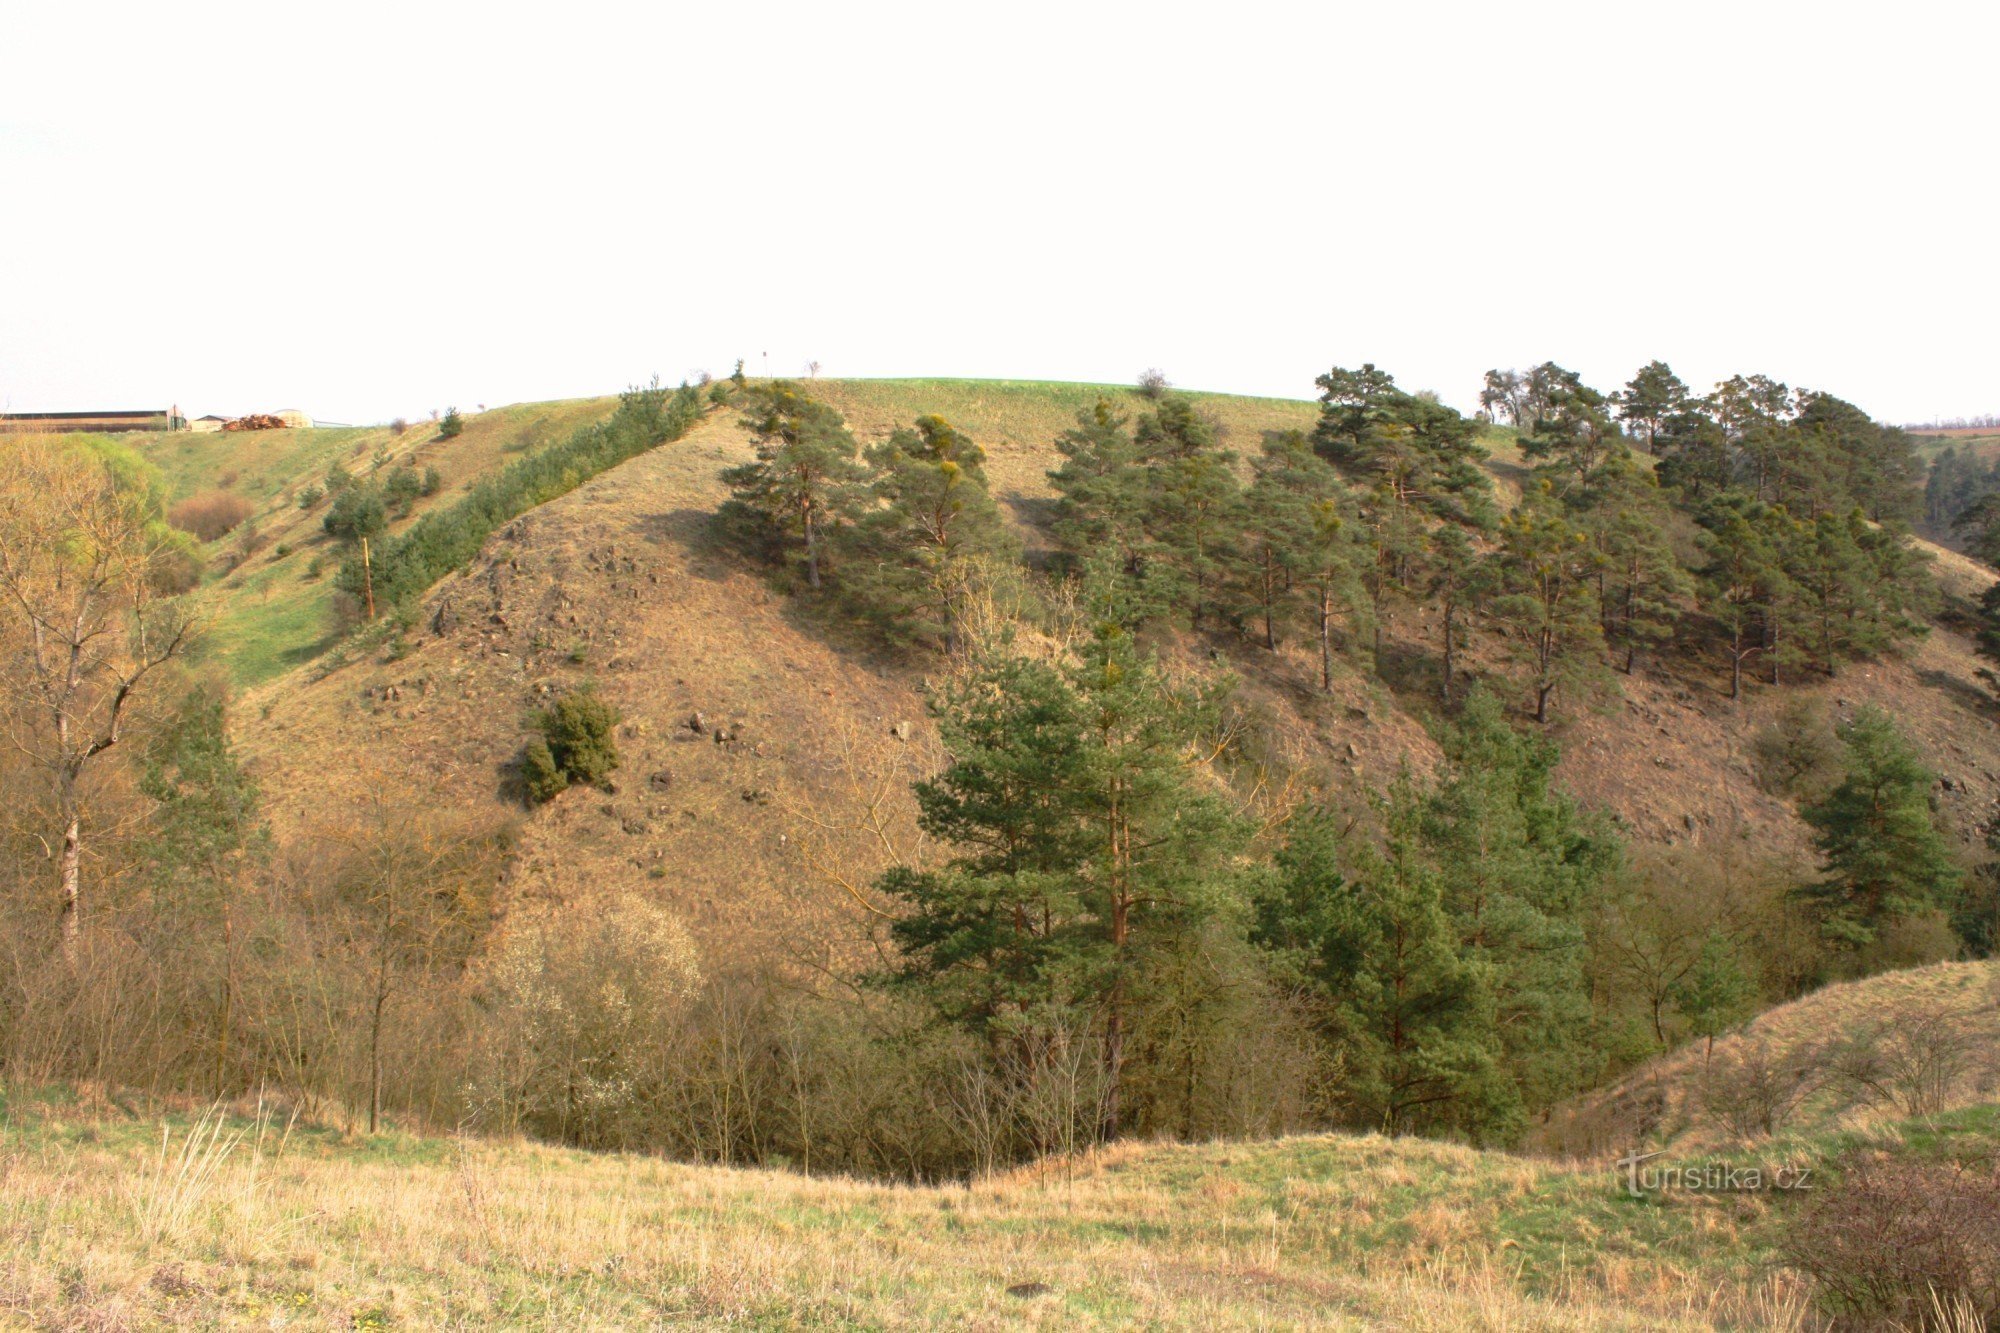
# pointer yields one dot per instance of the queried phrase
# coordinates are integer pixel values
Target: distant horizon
(1963, 421)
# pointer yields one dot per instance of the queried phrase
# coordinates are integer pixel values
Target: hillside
(274, 609)
(137, 1219)
(620, 582)
(1848, 1057)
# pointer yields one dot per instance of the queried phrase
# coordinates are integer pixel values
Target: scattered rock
(660, 779)
(1027, 1290)
(445, 620)
(697, 723)
(756, 795)
(901, 731)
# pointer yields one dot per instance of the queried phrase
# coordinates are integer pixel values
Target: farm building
(96, 423)
(290, 417)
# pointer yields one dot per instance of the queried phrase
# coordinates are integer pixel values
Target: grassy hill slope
(118, 1219)
(621, 583)
(1850, 1057)
(274, 609)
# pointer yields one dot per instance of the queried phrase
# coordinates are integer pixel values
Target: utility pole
(368, 578)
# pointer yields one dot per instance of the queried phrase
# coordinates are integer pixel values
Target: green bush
(576, 747)
(402, 488)
(452, 426)
(356, 512)
(541, 777)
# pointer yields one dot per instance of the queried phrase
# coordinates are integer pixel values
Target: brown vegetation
(209, 515)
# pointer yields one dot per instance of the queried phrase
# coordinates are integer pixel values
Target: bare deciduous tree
(85, 627)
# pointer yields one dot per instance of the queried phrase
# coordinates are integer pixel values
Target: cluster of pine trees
(904, 534)
(1764, 526)
(1428, 951)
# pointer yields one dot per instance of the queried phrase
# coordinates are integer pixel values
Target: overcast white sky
(365, 209)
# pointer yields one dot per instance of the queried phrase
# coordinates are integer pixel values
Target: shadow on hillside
(1969, 697)
(716, 553)
(712, 554)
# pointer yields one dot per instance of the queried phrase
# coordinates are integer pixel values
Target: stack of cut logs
(255, 421)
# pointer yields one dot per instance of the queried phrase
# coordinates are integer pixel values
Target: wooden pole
(368, 578)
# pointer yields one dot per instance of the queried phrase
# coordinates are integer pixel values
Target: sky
(368, 210)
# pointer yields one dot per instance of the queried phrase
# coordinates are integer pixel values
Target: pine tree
(1418, 464)
(1459, 579)
(1652, 399)
(1743, 576)
(1278, 515)
(1307, 551)
(1548, 597)
(1088, 846)
(983, 938)
(1103, 503)
(1572, 430)
(1522, 865)
(1641, 584)
(1715, 994)
(1412, 449)
(1883, 856)
(1364, 932)
(917, 555)
(1861, 589)
(1194, 505)
(805, 480)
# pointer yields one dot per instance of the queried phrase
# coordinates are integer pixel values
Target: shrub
(310, 496)
(1916, 1061)
(1754, 1088)
(401, 490)
(575, 747)
(432, 483)
(209, 515)
(1154, 383)
(398, 426)
(1897, 1243)
(452, 426)
(584, 1004)
(540, 776)
(1798, 755)
(356, 512)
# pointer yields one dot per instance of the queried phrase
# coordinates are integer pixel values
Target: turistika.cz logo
(1708, 1177)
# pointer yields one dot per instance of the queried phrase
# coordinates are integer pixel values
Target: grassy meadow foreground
(117, 1219)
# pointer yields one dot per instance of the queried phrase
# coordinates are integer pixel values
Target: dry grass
(1661, 1104)
(391, 1232)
